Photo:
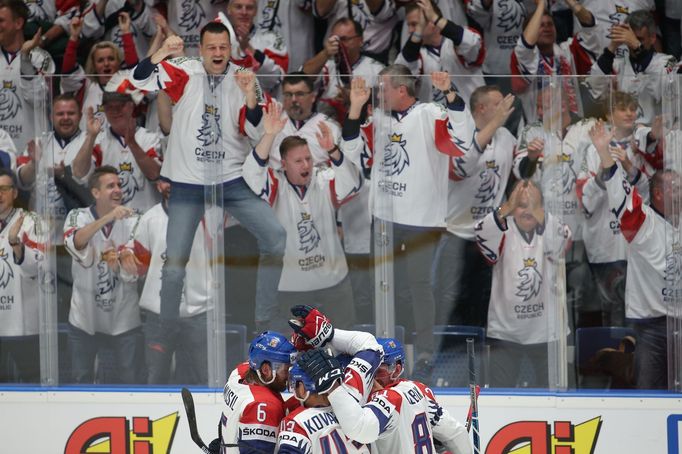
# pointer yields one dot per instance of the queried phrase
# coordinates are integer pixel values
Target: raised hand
(657, 128)
(331, 45)
(441, 80)
(427, 8)
(600, 139)
(359, 92)
(323, 368)
(92, 123)
(273, 121)
(171, 46)
(246, 80)
(312, 325)
(503, 110)
(124, 22)
(32, 43)
(325, 137)
(120, 212)
(75, 27)
(13, 234)
(535, 148)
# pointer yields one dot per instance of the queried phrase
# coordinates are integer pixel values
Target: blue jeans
(651, 353)
(119, 356)
(189, 343)
(185, 210)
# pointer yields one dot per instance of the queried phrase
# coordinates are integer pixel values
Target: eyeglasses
(6, 188)
(297, 94)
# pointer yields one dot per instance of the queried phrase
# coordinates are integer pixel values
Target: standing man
(216, 104)
(104, 311)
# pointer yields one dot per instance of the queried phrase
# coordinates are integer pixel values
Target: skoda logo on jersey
(490, 178)
(510, 15)
(209, 132)
(129, 185)
(395, 156)
(9, 101)
(308, 236)
(6, 272)
(192, 14)
(531, 280)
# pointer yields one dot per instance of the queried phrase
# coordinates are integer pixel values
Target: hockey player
(653, 276)
(304, 199)
(403, 417)
(254, 406)
(313, 427)
(521, 240)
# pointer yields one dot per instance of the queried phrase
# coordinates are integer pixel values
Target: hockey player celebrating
(253, 404)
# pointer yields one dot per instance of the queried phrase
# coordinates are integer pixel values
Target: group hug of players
(342, 402)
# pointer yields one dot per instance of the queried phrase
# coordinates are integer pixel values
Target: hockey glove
(312, 325)
(324, 369)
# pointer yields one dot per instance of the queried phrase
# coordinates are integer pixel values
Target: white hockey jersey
(139, 193)
(502, 25)
(601, 230)
(101, 301)
(521, 299)
(306, 129)
(292, 21)
(377, 28)
(61, 151)
(92, 92)
(313, 258)
(473, 195)
(212, 143)
(410, 173)
(251, 415)
(18, 94)
(562, 161)
(19, 285)
(462, 62)
(8, 152)
(149, 245)
(330, 78)
(653, 276)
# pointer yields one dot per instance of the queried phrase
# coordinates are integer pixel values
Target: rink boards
(121, 421)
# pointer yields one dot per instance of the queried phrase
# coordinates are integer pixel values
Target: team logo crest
(510, 15)
(268, 19)
(209, 133)
(106, 280)
(395, 156)
(673, 267)
(568, 175)
(9, 101)
(622, 13)
(192, 14)
(308, 236)
(531, 280)
(490, 178)
(48, 282)
(129, 184)
(6, 272)
(274, 342)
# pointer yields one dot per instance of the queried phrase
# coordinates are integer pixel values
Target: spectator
(652, 280)
(376, 17)
(537, 54)
(338, 62)
(236, 98)
(462, 276)
(21, 69)
(521, 240)
(410, 178)
(144, 255)
(132, 150)
(264, 52)
(105, 17)
(304, 199)
(461, 53)
(188, 18)
(638, 70)
(64, 192)
(103, 61)
(292, 21)
(604, 244)
(21, 255)
(104, 314)
(8, 152)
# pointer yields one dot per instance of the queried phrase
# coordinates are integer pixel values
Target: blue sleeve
(257, 447)
(144, 69)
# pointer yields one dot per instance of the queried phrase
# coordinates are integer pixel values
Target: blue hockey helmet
(296, 375)
(393, 350)
(271, 347)
(344, 359)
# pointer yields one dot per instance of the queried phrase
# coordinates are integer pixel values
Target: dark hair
(346, 21)
(215, 28)
(479, 93)
(619, 99)
(412, 6)
(290, 142)
(93, 181)
(641, 19)
(66, 97)
(114, 96)
(7, 172)
(298, 77)
(18, 8)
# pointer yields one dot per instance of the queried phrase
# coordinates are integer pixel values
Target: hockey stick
(188, 401)
(473, 394)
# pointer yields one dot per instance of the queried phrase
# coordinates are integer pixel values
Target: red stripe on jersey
(129, 50)
(68, 233)
(335, 197)
(425, 390)
(632, 220)
(178, 80)
(32, 244)
(354, 380)
(292, 404)
(444, 142)
(242, 369)
(264, 409)
(519, 84)
(21, 160)
(481, 51)
(97, 154)
(579, 187)
(274, 186)
(581, 58)
(143, 255)
(280, 60)
(242, 120)
(153, 154)
(393, 396)
(247, 62)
